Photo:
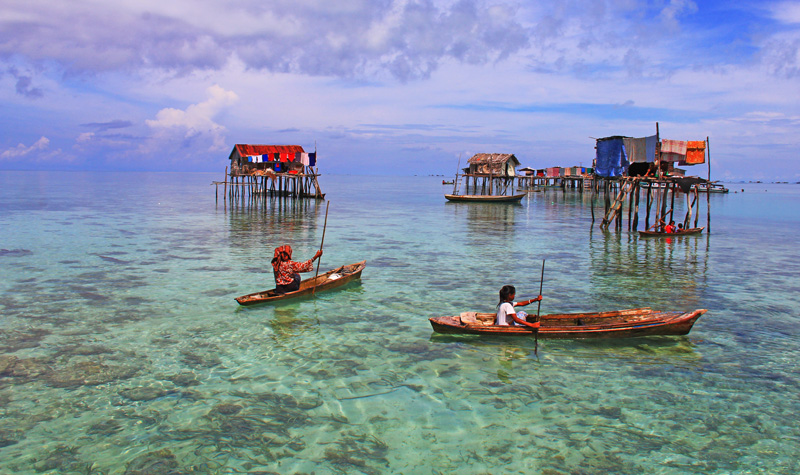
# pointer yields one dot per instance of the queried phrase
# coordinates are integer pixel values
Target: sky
(396, 87)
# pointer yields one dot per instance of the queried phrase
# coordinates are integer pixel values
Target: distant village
(623, 169)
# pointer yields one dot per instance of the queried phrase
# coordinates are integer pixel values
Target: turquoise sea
(122, 350)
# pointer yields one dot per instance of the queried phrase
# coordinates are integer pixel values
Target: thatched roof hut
(495, 164)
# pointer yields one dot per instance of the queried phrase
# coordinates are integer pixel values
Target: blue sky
(396, 87)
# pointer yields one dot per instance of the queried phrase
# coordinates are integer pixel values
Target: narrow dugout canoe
(628, 323)
(486, 198)
(685, 232)
(329, 280)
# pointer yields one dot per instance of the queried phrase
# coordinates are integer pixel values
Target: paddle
(538, 314)
(324, 227)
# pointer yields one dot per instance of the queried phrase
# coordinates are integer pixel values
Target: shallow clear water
(122, 349)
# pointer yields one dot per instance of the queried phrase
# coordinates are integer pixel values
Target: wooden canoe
(486, 198)
(629, 323)
(329, 280)
(685, 232)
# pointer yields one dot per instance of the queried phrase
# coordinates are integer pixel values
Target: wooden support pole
(658, 152)
(664, 202)
(688, 218)
(630, 206)
(708, 194)
(636, 204)
(674, 187)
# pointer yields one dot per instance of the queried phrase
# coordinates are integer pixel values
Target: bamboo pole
(672, 202)
(636, 211)
(688, 218)
(630, 206)
(658, 152)
(708, 194)
(322, 243)
(696, 200)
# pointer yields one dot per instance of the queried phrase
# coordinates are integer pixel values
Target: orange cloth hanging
(695, 152)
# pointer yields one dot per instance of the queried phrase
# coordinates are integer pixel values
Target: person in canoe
(286, 271)
(506, 315)
(670, 228)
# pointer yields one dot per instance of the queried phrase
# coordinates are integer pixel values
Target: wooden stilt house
(274, 170)
(489, 174)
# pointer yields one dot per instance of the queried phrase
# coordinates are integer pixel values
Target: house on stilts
(487, 174)
(271, 170)
(628, 167)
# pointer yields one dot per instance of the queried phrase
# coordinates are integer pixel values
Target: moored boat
(329, 280)
(685, 232)
(486, 198)
(628, 323)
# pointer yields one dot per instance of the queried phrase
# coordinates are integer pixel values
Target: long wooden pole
(708, 195)
(538, 315)
(658, 152)
(322, 243)
(455, 181)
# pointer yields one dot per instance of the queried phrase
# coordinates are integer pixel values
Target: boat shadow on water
(660, 348)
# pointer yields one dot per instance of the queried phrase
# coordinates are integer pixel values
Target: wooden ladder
(616, 207)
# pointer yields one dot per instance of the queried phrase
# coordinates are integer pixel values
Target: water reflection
(274, 220)
(646, 272)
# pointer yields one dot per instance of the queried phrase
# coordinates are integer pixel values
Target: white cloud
(85, 137)
(197, 119)
(671, 12)
(22, 150)
(786, 12)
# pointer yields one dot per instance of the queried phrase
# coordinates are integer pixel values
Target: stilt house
(275, 170)
(494, 164)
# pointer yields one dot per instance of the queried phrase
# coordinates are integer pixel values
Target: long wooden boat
(329, 280)
(486, 198)
(685, 232)
(628, 323)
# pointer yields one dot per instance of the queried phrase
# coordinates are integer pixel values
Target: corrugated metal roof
(247, 150)
(491, 158)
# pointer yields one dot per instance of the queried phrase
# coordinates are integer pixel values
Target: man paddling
(286, 270)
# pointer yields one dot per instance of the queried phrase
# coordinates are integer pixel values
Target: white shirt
(503, 314)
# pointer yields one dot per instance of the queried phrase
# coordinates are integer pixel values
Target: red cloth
(673, 146)
(282, 253)
(695, 152)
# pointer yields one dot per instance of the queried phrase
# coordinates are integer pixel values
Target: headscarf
(282, 254)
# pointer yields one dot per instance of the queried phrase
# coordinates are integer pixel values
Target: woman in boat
(286, 270)
(506, 315)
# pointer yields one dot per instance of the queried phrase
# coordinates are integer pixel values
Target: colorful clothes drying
(650, 148)
(611, 157)
(636, 149)
(695, 152)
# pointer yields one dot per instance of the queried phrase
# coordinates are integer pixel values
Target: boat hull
(618, 324)
(687, 232)
(321, 283)
(486, 198)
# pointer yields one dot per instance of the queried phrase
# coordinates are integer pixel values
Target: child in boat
(670, 229)
(506, 315)
(286, 270)
(680, 227)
